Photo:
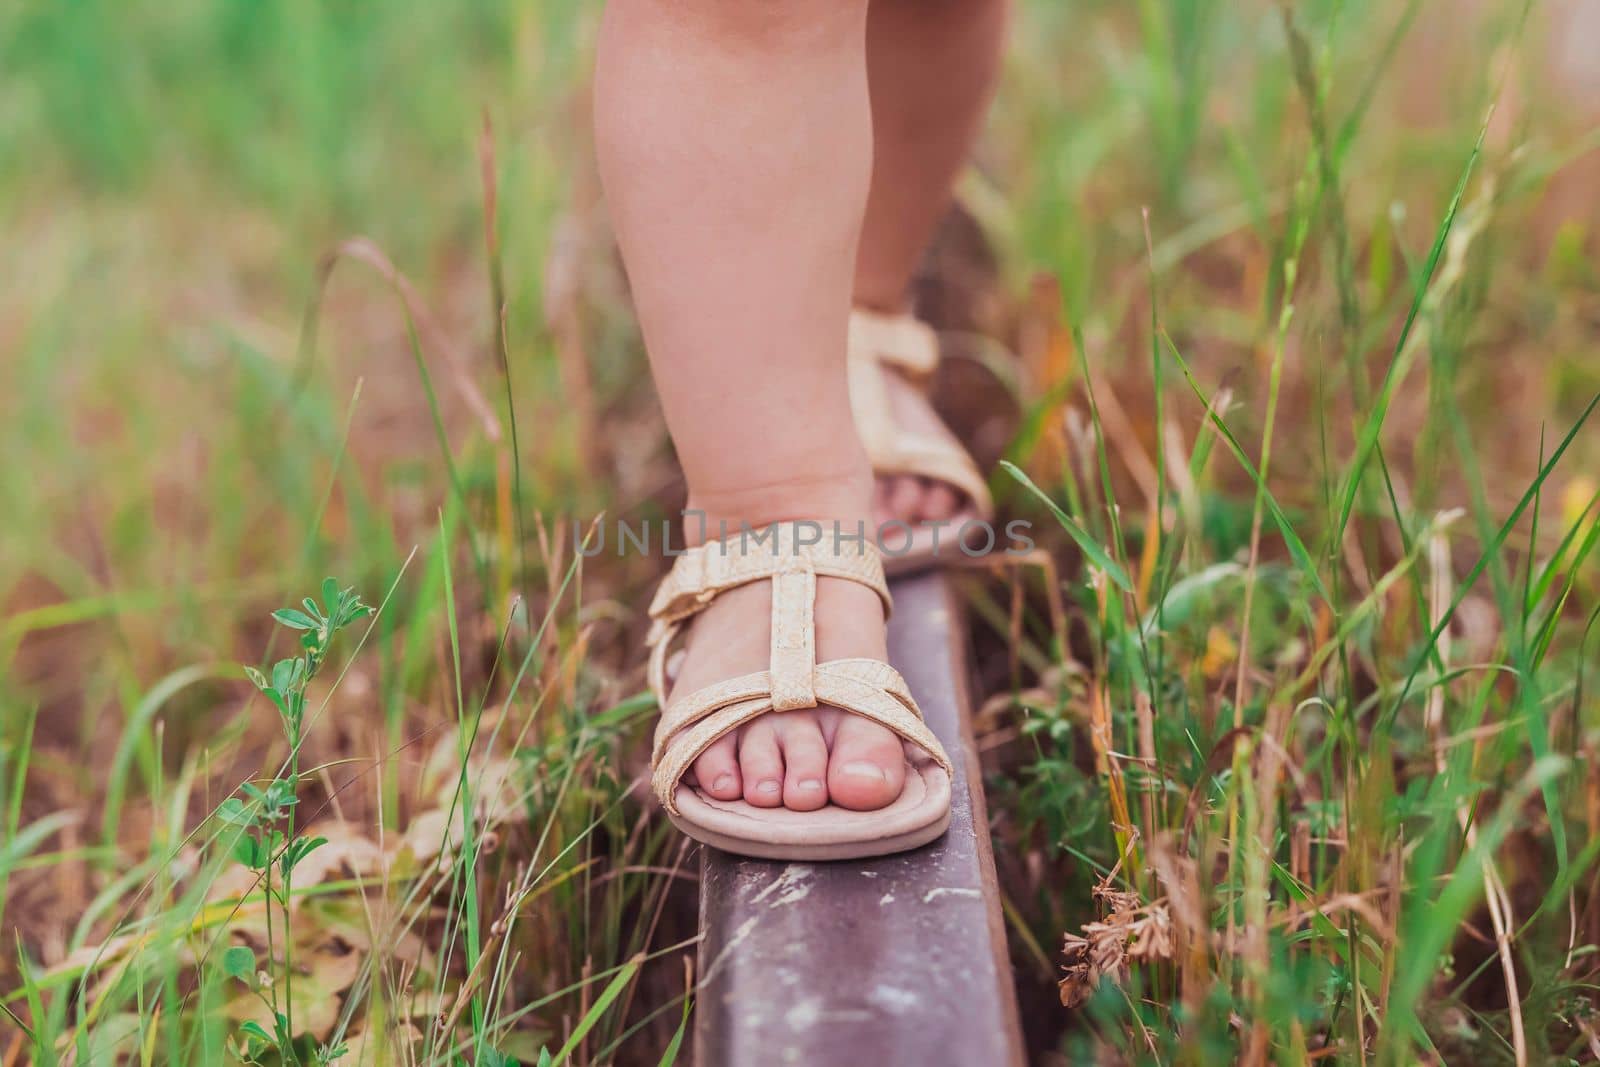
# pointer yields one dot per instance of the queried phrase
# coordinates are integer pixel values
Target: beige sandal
(689, 724)
(910, 348)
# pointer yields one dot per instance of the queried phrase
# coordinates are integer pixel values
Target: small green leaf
(280, 797)
(239, 962)
(283, 674)
(295, 620)
(248, 851)
(1097, 555)
(297, 851)
(233, 812)
(330, 591)
(257, 679)
(253, 1029)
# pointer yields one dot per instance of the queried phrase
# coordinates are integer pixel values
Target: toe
(717, 769)
(867, 766)
(805, 761)
(905, 497)
(761, 765)
(881, 509)
(884, 522)
(940, 502)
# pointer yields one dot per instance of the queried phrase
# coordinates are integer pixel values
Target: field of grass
(1290, 751)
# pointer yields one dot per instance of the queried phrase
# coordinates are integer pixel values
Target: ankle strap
(792, 555)
(703, 573)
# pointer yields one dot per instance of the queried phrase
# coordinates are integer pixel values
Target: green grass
(1332, 814)
(1308, 346)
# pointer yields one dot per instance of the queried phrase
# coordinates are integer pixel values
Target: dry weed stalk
(1130, 931)
(1496, 897)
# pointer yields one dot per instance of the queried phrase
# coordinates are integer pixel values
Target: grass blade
(1095, 552)
(611, 992)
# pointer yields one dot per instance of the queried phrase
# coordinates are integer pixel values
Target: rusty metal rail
(879, 962)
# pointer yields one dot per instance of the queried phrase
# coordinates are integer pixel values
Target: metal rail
(880, 962)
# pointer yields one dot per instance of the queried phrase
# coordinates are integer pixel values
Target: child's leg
(931, 65)
(931, 68)
(734, 143)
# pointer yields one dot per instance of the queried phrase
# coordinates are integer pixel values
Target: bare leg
(734, 142)
(932, 66)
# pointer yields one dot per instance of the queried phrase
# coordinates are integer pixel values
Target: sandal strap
(792, 555)
(703, 573)
(865, 687)
(901, 341)
(890, 449)
(685, 712)
(939, 460)
(854, 690)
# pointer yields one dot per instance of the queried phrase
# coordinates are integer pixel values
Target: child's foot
(796, 759)
(910, 498)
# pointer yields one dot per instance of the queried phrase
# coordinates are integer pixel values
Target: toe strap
(886, 708)
(683, 748)
(869, 688)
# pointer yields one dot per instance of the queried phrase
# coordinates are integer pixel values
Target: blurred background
(301, 289)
